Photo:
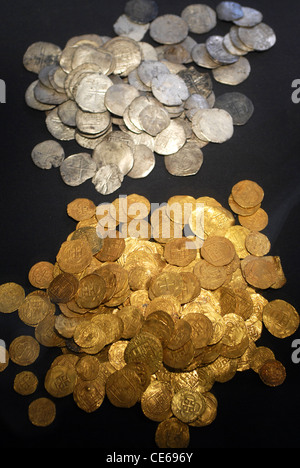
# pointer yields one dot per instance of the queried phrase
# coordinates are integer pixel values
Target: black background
(34, 223)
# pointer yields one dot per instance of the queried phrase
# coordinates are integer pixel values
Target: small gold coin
(257, 243)
(89, 394)
(180, 252)
(35, 308)
(12, 296)
(60, 381)
(25, 383)
(156, 401)
(147, 348)
(172, 433)
(255, 222)
(218, 250)
(63, 288)
(81, 208)
(91, 291)
(74, 256)
(123, 387)
(272, 373)
(41, 274)
(247, 193)
(24, 350)
(187, 405)
(42, 412)
(87, 367)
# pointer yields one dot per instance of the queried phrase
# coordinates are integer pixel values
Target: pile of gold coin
(148, 319)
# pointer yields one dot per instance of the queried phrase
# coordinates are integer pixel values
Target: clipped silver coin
(251, 17)
(200, 18)
(260, 37)
(77, 168)
(186, 162)
(238, 105)
(217, 51)
(168, 29)
(170, 89)
(143, 162)
(107, 179)
(141, 11)
(48, 154)
(229, 11)
(234, 73)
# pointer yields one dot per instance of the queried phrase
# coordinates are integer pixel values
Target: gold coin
(145, 348)
(123, 388)
(210, 412)
(60, 380)
(25, 383)
(81, 208)
(112, 249)
(272, 373)
(202, 329)
(239, 210)
(210, 276)
(132, 318)
(116, 354)
(12, 296)
(42, 412)
(87, 334)
(166, 283)
(257, 243)
(46, 334)
(35, 308)
(187, 405)
(138, 207)
(260, 355)
(87, 367)
(41, 274)
(91, 291)
(280, 318)
(259, 272)
(24, 350)
(180, 252)
(172, 433)
(218, 250)
(89, 394)
(156, 401)
(247, 193)
(74, 256)
(255, 222)
(237, 235)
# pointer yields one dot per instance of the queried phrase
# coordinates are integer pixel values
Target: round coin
(42, 412)
(12, 296)
(168, 29)
(272, 373)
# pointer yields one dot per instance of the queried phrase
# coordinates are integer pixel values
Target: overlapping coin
(144, 93)
(152, 320)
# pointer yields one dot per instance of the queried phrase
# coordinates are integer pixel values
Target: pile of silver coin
(127, 100)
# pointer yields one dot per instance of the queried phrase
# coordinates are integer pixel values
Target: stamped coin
(200, 18)
(168, 29)
(42, 412)
(47, 154)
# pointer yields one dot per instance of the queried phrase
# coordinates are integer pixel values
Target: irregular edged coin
(238, 105)
(143, 162)
(169, 29)
(47, 154)
(40, 54)
(217, 51)
(107, 179)
(77, 168)
(42, 412)
(169, 89)
(251, 17)
(202, 58)
(229, 11)
(200, 18)
(234, 73)
(124, 26)
(261, 37)
(141, 11)
(91, 92)
(186, 161)
(215, 125)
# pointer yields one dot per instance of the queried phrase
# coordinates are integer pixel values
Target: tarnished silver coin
(194, 103)
(234, 73)
(217, 51)
(251, 17)
(48, 95)
(141, 11)
(168, 29)
(171, 139)
(124, 26)
(127, 54)
(57, 128)
(88, 54)
(186, 162)
(236, 41)
(143, 162)
(200, 18)
(120, 96)
(67, 112)
(170, 89)
(48, 154)
(154, 118)
(107, 179)
(229, 45)
(202, 58)
(238, 105)
(116, 151)
(40, 54)
(91, 92)
(229, 11)
(77, 168)
(150, 69)
(31, 100)
(261, 37)
(197, 82)
(92, 123)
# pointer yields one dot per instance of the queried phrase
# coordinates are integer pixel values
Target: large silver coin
(239, 106)
(217, 51)
(202, 58)
(31, 100)
(124, 26)
(107, 179)
(41, 54)
(144, 162)
(260, 37)
(150, 69)
(116, 151)
(234, 73)
(91, 92)
(77, 168)
(57, 128)
(168, 29)
(214, 125)
(200, 18)
(47, 154)
(229, 11)
(186, 162)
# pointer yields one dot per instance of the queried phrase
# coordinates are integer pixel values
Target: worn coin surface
(186, 161)
(229, 11)
(234, 73)
(77, 168)
(238, 105)
(169, 29)
(200, 18)
(217, 51)
(47, 154)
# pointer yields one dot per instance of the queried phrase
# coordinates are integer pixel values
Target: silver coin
(251, 17)
(41, 54)
(31, 100)
(154, 119)
(217, 51)
(236, 41)
(234, 73)
(228, 44)
(67, 112)
(168, 29)
(77, 168)
(114, 151)
(57, 128)
(107, 179)
(197, 82)
(194, 103)
(134, 80)
(48, 154)
(88, 54)
(169, 89)
(141, 11)
(186, 162)
(150, 69)
(48, 95)
(143, 162)
(91, 92)
(171, 139)
(92, 123)
(214, 125)
(202, 58)
(124, 26)
(120, 96)
(261, 37)
(200, 18)
(229, 11)
(238, 105)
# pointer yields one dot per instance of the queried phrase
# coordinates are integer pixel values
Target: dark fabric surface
(34, 223)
